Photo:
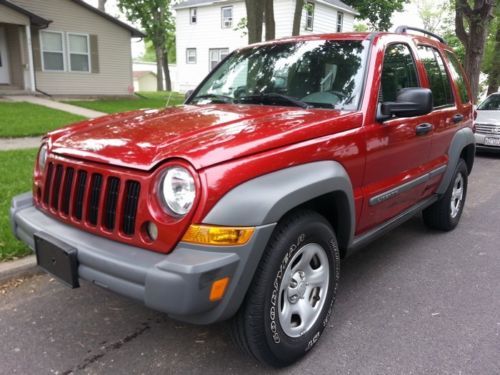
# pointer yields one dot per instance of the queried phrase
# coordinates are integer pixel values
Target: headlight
(178, 190)
(42, 157)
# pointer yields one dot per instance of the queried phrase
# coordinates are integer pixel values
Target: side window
(457, 75)
(398, 72)
(438, 78)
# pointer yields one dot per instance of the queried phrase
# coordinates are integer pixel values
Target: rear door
(397, 157)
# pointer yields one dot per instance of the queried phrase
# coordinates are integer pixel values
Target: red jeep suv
(241, 202)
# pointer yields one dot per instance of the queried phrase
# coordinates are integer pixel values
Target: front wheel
(292, 293)
(446, 212)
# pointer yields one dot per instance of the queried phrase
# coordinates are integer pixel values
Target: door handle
(424, 128)
(457, 118)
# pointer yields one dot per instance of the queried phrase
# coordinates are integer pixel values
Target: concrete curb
(18, 268)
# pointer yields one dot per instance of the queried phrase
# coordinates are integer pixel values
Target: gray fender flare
(463, 138)
(265, 199)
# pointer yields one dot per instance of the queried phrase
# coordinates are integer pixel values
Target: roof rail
(404, 29)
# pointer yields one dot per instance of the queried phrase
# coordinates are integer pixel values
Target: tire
(445, 213)
(284, 314)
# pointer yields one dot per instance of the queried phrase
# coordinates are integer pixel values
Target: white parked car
(488, 123)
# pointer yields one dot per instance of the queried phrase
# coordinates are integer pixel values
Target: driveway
(413, 302)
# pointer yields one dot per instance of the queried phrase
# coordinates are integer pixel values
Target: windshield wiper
(277, 97)
(214, 98)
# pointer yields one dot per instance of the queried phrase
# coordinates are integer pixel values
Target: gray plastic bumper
(177, 284)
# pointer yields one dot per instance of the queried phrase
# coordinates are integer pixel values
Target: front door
(4, 59)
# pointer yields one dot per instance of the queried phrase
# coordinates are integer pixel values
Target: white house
(207, 30)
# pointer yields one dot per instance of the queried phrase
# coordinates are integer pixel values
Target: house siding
(114, 50)
(207, 33)
(8, 15)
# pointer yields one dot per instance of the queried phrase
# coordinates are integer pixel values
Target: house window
(193, 13)
(191, 56)
(227, 17)
(340, 21)
(216, 55)
(79, 56)
(52, 51)
(309, 16)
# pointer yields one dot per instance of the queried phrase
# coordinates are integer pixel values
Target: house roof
(141, 73)
(34, 19)
(42, 22)
(192, 3)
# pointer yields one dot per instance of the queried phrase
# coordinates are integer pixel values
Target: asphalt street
(413, 302)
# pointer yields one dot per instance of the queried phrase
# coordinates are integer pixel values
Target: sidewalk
(19, 143)
(57, 105)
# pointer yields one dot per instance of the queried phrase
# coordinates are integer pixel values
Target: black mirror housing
(411, 101)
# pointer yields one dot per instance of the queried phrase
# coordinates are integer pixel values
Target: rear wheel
(445, 213)
(291, 297)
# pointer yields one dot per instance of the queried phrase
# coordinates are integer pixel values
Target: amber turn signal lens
(220, 236)
(218, 289)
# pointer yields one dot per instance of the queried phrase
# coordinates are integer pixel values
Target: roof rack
(404, 29)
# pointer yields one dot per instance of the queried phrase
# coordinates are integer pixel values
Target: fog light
(220, 236)
(152, 230)
(218, 289)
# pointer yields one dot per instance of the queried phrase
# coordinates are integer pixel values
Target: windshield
(492, 103)
(319, 73)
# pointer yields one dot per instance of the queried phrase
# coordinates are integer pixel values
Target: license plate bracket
(57, 258)
(489, 141)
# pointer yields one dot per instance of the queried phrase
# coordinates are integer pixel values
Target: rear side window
(438, 78)
(456, 73)
(398, 72)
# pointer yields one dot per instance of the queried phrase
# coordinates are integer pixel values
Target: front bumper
(480, 139)
(177, 283)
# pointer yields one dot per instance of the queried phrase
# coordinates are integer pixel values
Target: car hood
(488, 117)
(203, 135)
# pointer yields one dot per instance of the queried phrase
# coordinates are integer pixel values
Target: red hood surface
(203, 135)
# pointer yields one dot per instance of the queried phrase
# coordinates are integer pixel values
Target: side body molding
(462, 138)
(265, 199)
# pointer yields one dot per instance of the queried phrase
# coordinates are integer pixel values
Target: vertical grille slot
(67, 187)
(48, 183)
(111, 201)
(131, 200)
(95, 193)
(80, 194)
(54, 200)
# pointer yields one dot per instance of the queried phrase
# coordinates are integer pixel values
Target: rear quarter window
(456, 72)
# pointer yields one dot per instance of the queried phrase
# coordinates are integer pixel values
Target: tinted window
(492, 103)
(456, 73)
(436, 73)
(398, 72)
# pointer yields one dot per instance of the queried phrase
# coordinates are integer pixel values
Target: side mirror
(411, 101)
(188, 94)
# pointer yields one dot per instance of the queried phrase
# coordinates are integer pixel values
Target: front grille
(93, 198)
(487, 128)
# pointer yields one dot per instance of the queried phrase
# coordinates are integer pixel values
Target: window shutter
(94, 54)
(37, 53)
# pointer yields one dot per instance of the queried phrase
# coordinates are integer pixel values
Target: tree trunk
(255, 15)
(269, 18)
(159, 67)
(494, 76)
(166, 70)
(297, 17)
(474, 39)
(102, 5)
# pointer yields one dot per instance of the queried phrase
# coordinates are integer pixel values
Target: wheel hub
(297, 286)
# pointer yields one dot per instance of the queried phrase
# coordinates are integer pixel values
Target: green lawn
(16, 178)
(21, 119)
(141, 101)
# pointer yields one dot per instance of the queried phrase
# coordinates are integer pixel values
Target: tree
(431, 14)
(102, 5)
(297, 16)
(259, 11)
(471, 27)
(377, 12)
(491, 64)
(156, 20)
